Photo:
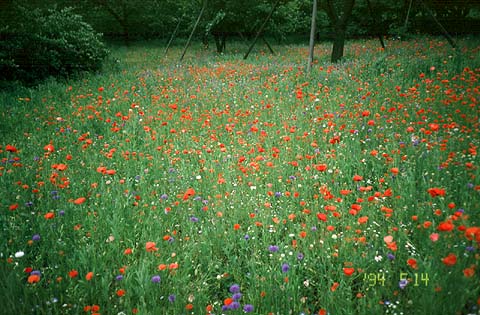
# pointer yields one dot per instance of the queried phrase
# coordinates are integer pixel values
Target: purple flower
(246, 237)
(194, 219)
(234, 288)
(171, 298)
(61, 213)
(36, 272)
(247, 308)
(278, 194)
(119, 278)
(237, 296)
(235, 305)
(402, 283)
(300, 256)
(390, 256)
(164, 197)
(36, 237)
(285, 267)
(273, 248)
(156, 279)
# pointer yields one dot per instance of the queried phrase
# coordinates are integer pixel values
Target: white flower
(19, 254)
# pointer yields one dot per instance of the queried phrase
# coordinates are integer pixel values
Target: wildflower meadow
(227, 186)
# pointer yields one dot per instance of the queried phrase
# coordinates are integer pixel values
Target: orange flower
(110, 172)
(334, 286)
(49, 215)
(150, 247)
(127, 251)
(49, 148)
(59, 167)
(469, 272)
(363, 220)
(89, 276)
(120, 292)
(348, 271)
(357, 178)
(79, 201)
(33, 278)
(189, 306)
(450, 260)
(236, 226)
(190, 192)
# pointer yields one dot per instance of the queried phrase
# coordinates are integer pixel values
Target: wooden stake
(261, 29)
(193, 31)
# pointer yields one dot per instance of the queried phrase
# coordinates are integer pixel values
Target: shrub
(40, 44)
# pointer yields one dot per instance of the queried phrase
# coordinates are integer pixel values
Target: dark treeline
(157, 19)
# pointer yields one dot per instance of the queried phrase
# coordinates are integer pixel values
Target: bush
(40, 44)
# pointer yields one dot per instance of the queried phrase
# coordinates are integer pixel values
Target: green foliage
(48, 43)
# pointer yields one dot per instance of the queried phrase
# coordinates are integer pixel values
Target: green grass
(271, 154)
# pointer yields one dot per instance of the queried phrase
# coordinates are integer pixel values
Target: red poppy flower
(73, 273)
(348, 271)
(11, 148)
(412, 262)
(89, 276)
(49, 215)
(445, 226)
(150, 247)
(450, 260)
(189, 193)
(434, 192)
(469, 272)
(49, 148)
(79, 200)
(357, 178)
(322, 217)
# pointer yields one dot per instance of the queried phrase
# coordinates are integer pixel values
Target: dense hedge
(48, 43)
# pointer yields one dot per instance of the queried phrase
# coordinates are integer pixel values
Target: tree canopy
(145, 19)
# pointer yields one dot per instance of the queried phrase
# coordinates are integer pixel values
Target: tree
(339, 18)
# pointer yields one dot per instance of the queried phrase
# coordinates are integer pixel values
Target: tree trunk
(338, 43)
(220, 41)
(340, 22)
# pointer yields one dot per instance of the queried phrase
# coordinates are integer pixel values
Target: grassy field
(230, 186)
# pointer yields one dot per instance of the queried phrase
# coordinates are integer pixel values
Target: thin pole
(445, 33)
(193, 31)
(313, 29)
(261, 29)
(173, 35)
(408, 14)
